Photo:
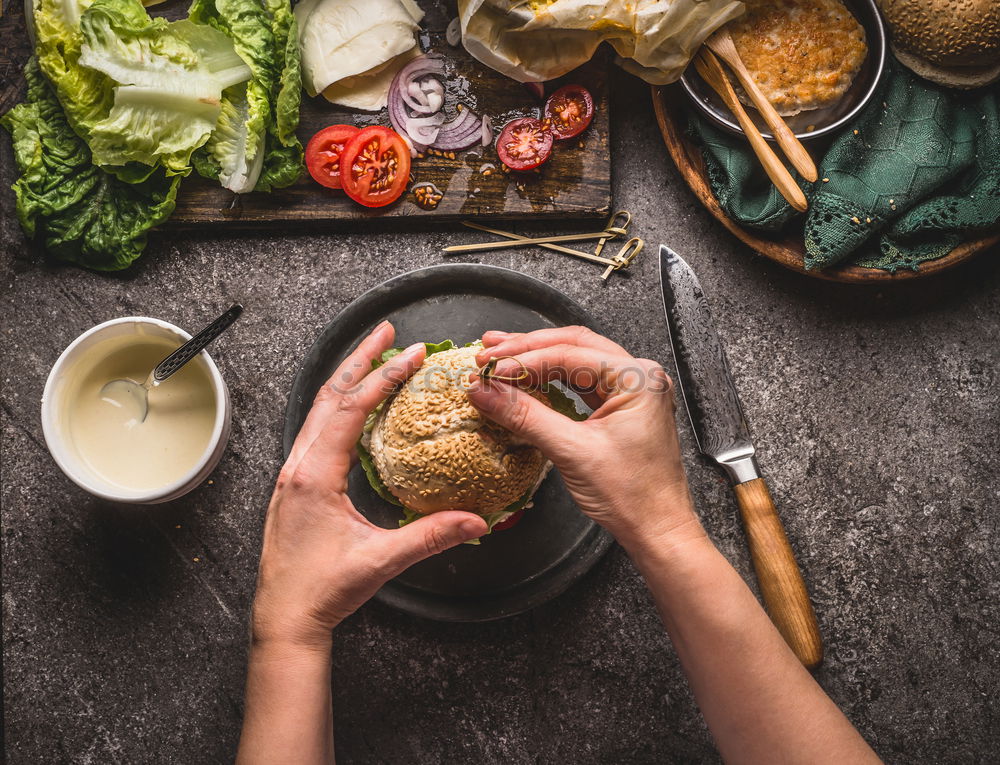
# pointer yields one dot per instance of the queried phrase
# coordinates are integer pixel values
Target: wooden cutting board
(574, 183)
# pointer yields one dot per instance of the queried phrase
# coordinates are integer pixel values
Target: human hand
(321, 559)
(622, 465)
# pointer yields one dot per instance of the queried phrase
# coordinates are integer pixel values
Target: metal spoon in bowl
(131, 394)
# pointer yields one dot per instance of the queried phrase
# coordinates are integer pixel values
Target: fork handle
(778, 575)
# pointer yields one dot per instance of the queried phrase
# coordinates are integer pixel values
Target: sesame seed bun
(434, 451)
(955, 43)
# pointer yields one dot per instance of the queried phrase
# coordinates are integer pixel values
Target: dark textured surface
(875, 414)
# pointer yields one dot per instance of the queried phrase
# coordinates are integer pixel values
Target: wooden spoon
(710, 69)
(721, 43)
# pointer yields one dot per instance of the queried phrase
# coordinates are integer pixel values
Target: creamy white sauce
(109, 439)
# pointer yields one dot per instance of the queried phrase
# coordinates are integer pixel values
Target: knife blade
(721, 431)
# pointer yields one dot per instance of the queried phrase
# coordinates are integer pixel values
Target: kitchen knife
(721, 432)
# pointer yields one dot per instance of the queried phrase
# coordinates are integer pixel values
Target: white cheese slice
(369, 91)
(343, 38)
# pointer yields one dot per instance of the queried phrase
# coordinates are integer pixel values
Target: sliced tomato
(323, 154)
(569, 111)
(512, 521)
(375, 166)
(524, 144)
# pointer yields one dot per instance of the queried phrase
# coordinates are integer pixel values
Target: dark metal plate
(554, 544)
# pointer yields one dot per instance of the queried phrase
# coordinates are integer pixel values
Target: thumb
(430, 535)
(522, 414)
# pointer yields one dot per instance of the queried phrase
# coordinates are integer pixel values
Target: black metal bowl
(829, 119)
(554, 544)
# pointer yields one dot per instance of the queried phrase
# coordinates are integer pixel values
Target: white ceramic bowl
(57, 438)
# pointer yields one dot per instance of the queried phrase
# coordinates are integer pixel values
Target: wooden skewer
(520, 241)
(710, 69)
(625, 256)
(721, 43)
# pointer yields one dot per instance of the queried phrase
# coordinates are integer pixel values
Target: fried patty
(803, 54)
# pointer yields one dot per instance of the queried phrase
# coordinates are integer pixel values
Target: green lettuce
(429, 349)
(283, 160)
(86, 95)
(80, 213)
(368, 465)
(169, 76)
(141, 92)
(492, 519)
(562, 403)
(253, 145)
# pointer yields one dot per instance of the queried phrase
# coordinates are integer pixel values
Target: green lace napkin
(918, 172)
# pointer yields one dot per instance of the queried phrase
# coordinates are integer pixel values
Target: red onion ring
(461, 133)
(417, 87)
(487, 130)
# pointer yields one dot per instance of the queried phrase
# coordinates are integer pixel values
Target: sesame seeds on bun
(955, 43)
(434, 450)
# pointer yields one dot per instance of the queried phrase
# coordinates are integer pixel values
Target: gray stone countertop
(876, 413)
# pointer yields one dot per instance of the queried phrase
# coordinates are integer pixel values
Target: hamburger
(427, 448)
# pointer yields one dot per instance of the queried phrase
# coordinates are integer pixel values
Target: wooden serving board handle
(778, 574)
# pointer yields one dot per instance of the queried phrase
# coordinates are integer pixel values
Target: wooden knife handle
(778, 574)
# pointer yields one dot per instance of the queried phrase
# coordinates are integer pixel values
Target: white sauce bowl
(56, 431)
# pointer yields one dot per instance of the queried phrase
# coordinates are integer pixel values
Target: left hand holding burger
(321, 560)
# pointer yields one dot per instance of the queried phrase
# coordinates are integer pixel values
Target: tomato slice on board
(323, 154)
(375, 166)
(512, 521)
(524, 144)
(569, 111)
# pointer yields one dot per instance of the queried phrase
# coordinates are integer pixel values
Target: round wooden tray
(669, 102)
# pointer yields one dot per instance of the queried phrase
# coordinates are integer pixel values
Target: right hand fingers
(524, 415)
(586, 370)
(508, 344)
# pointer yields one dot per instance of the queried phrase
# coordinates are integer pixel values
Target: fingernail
(486, 400)
(384, 323)
(413, 348)
(471, 527)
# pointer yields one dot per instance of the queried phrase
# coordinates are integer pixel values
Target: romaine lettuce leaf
(368, 465)
(121, 40)
(562, 403)
(80, 213)
(253, 145)
(444, 345)
(283, 161)
(152, 126)
(234, 153)
(86, 95)
(492, 519)
(169, 76)
(141, 92)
